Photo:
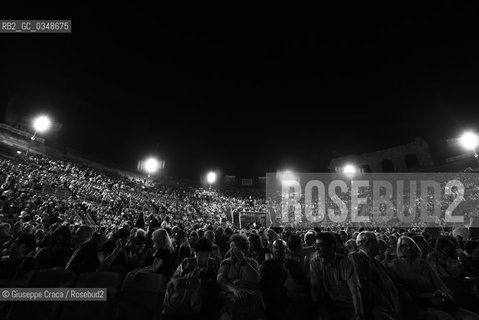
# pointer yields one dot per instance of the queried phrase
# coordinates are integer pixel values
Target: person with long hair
(162, 260)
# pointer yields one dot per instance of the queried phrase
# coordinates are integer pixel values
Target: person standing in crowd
(334, 282)
(379, 294)
(238, 276)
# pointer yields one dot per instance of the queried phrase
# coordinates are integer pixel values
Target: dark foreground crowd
(256, 273)
(198, 268)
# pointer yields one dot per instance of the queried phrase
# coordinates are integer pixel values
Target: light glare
(151, 165)
(211, 177)
(469, 140)
(42, 123)
(349, 169)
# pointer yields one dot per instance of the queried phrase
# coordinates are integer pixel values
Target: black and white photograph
(275, 162)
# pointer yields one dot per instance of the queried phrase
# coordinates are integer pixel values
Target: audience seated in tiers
(58, 214)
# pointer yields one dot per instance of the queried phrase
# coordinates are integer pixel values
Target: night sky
(245, 92)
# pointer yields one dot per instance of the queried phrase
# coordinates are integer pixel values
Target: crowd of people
(107, 199)
(107, 223)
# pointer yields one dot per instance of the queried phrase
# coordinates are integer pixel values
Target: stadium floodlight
(151, 166)
(41, 124)
(288, 175)
(287, 178)
(211, 177)
(350, 169)
(470, 140)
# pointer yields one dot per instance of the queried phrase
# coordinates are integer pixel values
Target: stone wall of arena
(414, 156)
